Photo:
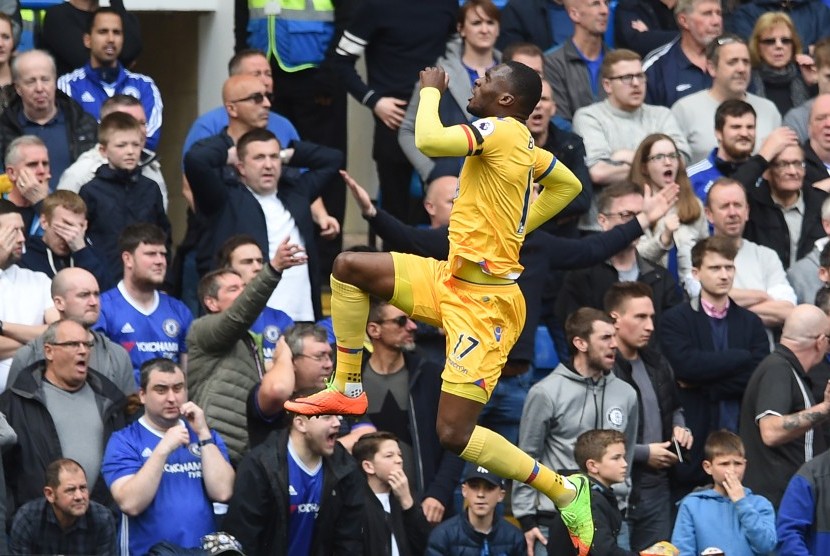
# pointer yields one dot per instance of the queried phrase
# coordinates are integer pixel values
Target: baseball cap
(712, 551)
(221, 543)
(474, 471)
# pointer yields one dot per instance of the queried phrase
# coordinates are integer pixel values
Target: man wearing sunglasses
(60, 408)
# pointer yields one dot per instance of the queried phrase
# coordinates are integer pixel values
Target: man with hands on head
(27, 168)
(166, 462)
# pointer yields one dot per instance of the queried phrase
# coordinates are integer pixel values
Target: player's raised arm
(559, 187)
(431, 137)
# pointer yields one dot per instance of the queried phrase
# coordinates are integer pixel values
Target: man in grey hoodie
(574, 398)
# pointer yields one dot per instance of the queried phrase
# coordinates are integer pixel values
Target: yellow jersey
(490, 215)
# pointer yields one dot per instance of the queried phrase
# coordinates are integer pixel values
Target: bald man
(76, 296)
(779, 411)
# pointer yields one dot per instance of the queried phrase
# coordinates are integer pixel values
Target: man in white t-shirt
(25, 299)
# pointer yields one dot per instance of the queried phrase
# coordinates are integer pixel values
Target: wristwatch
(1, 327)
(203, 443)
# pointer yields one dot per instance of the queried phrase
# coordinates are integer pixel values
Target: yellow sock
(349, 312)
(493, 452)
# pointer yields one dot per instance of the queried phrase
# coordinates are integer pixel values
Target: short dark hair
(580, 324)
(52, 476)
(726, 247)
(7, 207)
(136, 234)
(615, 191)
(713, 48)
(722, 443)
(256, 134)
(223, 257)
(116, 121)
(368, 445)
(620, 292)
(161, 364)
(525, 85)
(593, 444)
(105, 10)
(732, 108)
(236, 59)
(209, 284)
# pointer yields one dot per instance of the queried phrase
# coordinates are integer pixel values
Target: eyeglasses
(400, 321)
(256, 98)
(624, 215)
(73, 344)
(784, 164)
(318, 358)
(786, 41)
(660, 157)
(629, 78)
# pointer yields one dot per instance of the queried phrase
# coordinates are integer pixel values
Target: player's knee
(452, 437)
(344, 266)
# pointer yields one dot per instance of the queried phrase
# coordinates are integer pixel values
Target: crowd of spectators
(684, 295)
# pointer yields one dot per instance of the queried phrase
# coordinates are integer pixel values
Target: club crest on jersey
(615, 417)
(171, 327)
(485, 127)
(271, 333)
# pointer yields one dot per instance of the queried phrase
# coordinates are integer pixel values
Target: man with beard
(403, 390)
(71, 524)
(574, 398)
(148, 323)
(76, 296)
(727, 61)
(733, 158)
(25, 302)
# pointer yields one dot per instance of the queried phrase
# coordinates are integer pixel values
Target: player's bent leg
(458, 411)
(351, 285)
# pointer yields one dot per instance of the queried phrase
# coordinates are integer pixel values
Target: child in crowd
(478, 529)
(120, 195)
(391, 518)
(600, 454)
(728, 515)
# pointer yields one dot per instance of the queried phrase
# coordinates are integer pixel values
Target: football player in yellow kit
(473, 295)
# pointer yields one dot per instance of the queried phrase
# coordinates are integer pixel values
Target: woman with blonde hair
(657, 164)
(779, 68)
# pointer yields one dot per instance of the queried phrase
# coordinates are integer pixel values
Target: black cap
(474, 471)
(221, 543)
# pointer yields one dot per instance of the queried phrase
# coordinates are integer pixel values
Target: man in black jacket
(661, 417)
(42, 110)
(59, 408)
(283, 483)
(267, 201)
(390, 514)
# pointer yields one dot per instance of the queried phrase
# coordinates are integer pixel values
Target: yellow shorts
(482, 322)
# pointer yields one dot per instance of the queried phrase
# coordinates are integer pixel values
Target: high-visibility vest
(296, 33)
